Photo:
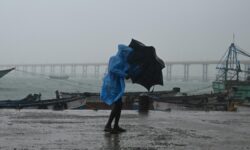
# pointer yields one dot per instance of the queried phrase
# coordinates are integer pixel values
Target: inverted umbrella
(145, 66)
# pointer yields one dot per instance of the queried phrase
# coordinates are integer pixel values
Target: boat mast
(229, 64)
(232, 62)
(227, 59)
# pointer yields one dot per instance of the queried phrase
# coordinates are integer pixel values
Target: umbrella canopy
(145, 66)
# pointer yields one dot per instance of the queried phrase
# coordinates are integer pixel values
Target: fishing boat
(191, 102)
(126, 94)
(130, 98)
(4, 72)
(31, 102)
(59, 77)
(231, 77)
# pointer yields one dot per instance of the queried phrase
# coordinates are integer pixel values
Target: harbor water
(15, 87)
(83, 129)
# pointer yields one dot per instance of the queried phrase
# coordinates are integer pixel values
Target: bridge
(203, 70)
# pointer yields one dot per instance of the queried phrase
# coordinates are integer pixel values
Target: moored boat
(193, 102)
(60, 77)
(54, 104)
(130, 98)
(4, 72)
(126, 94)
(231, 77)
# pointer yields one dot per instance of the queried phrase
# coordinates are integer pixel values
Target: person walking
(114, 86)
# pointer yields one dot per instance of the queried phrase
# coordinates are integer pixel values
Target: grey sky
(65, 31)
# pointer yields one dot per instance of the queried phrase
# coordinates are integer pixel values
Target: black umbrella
(146, 66)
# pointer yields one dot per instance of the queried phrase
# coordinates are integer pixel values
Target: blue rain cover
(113, 86)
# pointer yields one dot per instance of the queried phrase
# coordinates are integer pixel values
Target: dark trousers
(115, 113)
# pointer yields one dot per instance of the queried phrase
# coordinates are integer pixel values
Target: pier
(174, 70)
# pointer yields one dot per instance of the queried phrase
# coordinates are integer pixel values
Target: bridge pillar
(84, 70)
(204, 72)
(62, 69)
(25, 69)
(186, 72)
(42, 69)
(33, 68)
(97, 70)
(18, 68)
(52, 69)
(73, 70)
(169, 72)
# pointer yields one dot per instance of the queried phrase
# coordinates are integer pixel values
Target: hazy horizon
(81, 31)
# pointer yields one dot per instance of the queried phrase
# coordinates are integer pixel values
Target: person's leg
(113, 113)
(117, 128)
(118, 113)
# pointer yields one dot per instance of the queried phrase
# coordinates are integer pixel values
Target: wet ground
(83, 129)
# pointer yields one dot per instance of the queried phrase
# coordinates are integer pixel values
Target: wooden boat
(54, 104)
(243, 107)
(159, 100)
(194, 102)
(4, 72)
(60, 77)
(93, 99)
(126, 94)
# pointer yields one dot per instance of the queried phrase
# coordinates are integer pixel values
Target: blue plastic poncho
(113, 86)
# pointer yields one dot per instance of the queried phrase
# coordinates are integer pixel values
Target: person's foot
(119, 129)
(108, 129)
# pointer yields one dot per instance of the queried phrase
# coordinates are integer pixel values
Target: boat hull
(190, 102)
(129, 98)
(62, 77)
(54, 104)
(4, 72)
(242, 92)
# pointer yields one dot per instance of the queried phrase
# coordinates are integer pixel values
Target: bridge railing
(174, 69)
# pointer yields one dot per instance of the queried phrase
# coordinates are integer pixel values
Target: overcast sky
(78, 31)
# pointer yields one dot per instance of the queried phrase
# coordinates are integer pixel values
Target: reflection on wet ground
(112, 141)
(83, 129)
